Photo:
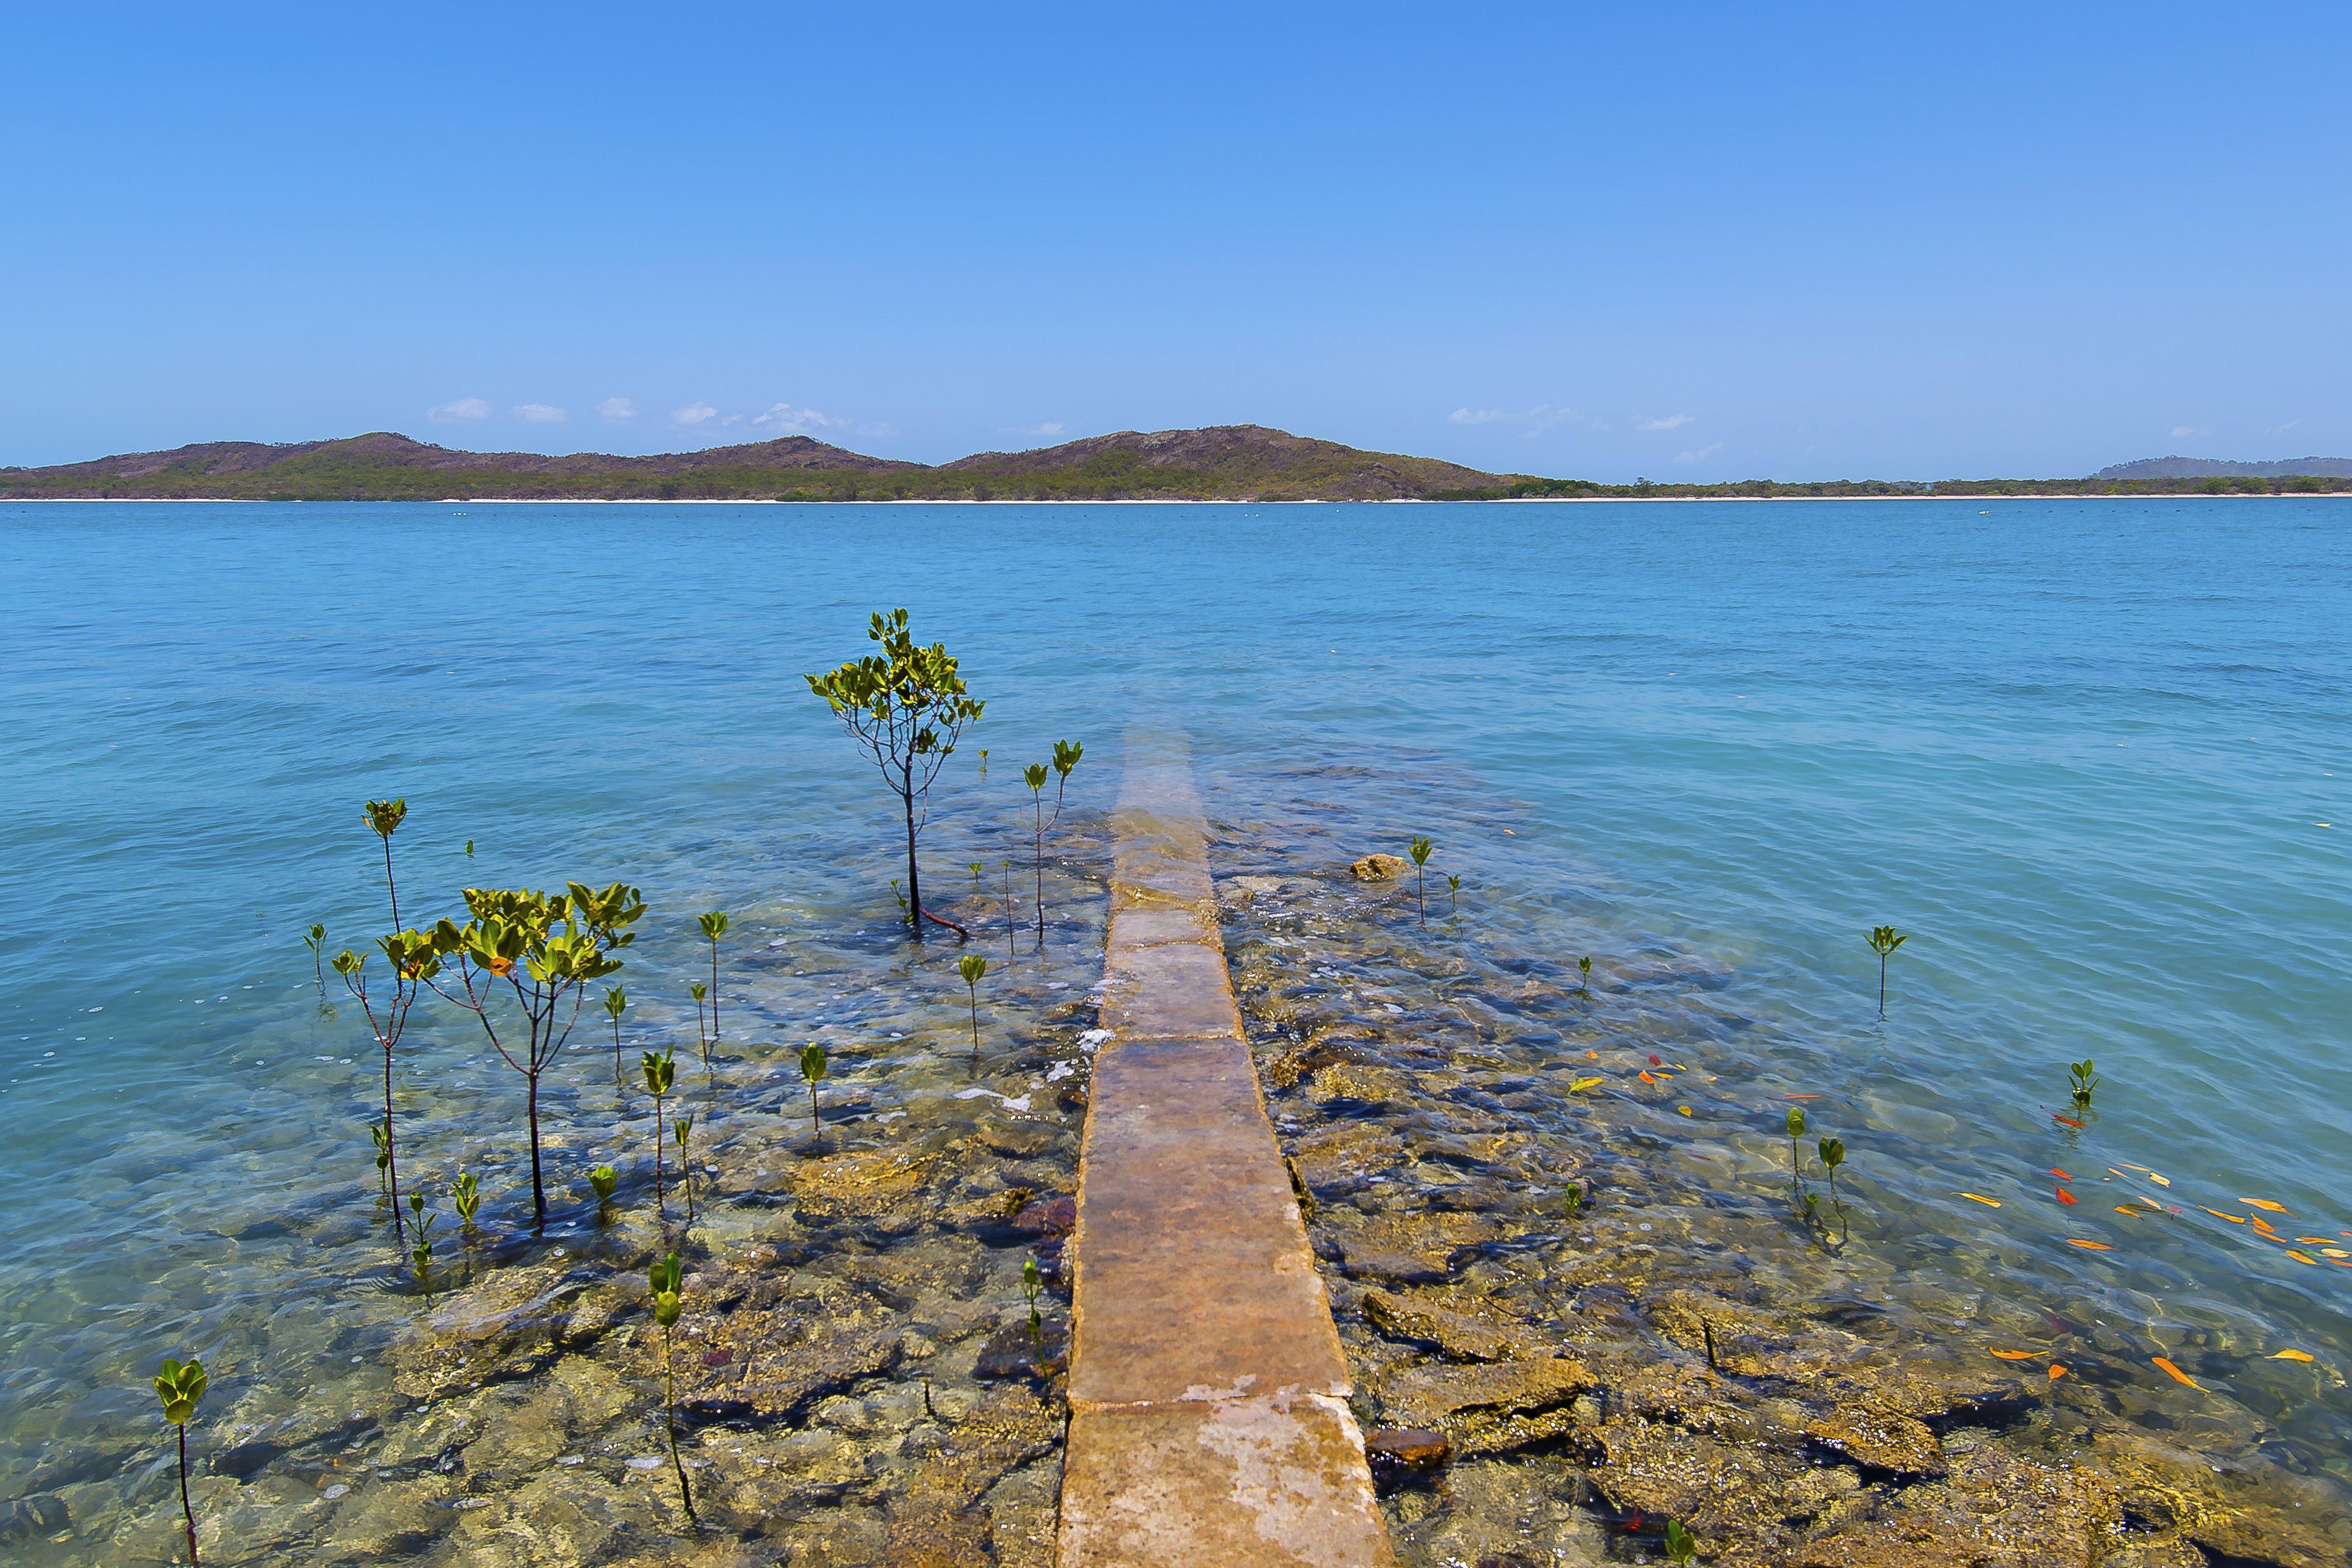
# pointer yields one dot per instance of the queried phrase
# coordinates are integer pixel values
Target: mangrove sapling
(616, 1002)
(466, 1197)
(421, 1254)
(1832, 1156)
(684, 1128)
(661, 1072)
(1796, 1122)
(812, 1069)
(1454, 886)
(666, 1278)
(1034, 776)
(385, 816)
(1884, 939)
(1681, 1549)
(382, 1156)
(1031, 1284)
(180, 1385)
(971, 966)
(604, 1181)
(2084, 1081)
(413, 962)
(701, 1032)
(315, 939)
(1584, 974)
(906, 705)
(984, 765)
(1418, 850)
(714, 926)
(546, 948)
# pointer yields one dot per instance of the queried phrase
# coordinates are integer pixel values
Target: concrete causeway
(1207, 1394)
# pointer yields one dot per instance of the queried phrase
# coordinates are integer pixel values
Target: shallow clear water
(2082, 751)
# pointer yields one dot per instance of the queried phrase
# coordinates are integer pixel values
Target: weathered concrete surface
(1209, 1421)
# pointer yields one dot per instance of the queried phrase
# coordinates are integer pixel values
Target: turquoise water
(2082, 751)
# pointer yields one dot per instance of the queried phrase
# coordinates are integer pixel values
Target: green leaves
(1584, 970)
(386, 815)
(714, 924)
(313, 937)
(616, 1002)
(684, 1128)
(971, 966)
(466, 1195)
(2084, 1081)
(1796, 1122)
(666, 1278)
(180, 1385)
(1833, 1154)
(813, 1062)
(604, 1181)
(661, 1071)
(1573, 1193)
(1680, 1547)
(1066, 756)
(1034, 776)
(1419, 849)
(1884, 939)
(348, 963)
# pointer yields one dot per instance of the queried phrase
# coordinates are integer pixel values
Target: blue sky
(1697, 241)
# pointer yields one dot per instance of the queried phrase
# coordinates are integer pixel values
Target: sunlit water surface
(2091, 755)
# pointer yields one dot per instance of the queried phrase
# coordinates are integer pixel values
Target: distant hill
(1225, 462)
(1234, 462)
(2211, 469)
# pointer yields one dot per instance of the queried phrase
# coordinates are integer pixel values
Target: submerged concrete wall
(1207, 1394)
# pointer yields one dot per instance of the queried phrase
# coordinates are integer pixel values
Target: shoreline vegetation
(1241, 463)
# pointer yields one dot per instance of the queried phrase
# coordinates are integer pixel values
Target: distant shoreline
(1154, 501)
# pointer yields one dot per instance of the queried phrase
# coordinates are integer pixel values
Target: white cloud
(1671, 422)
(614, 410)
(1051, 427)
(1541, 415)
(784, 417)
(465, 410)
(694, 414)
(541, 414)
(2180, 431)
(2283, 429)
(1701, 455)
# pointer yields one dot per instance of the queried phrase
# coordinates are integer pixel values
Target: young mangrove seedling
(413, 964)
(1034, 776)
(812, 1069)
(604, 1181)
(907, 706)
(714, 926)
(382, 1156)
(977, 894)
(684, 1128)
(1454, 886)
(1066, 755)
(1011, 914)
(315, 939)
(545, 949)
(1680, 1547)
(2084, 1081)
(1584, 974)
(1832, 1156)
(661, 1071)
(1418, 850)
(1574, 1195)
(1796, 1122)
(666, 1278)
(1031, 1284)
(469, 850)
(1884, 939)
(385, 816)
(701, 1032)
(421, 1254)
(616, 1002)
(466, 1196)
(180, 1385)
(971, 966)
(984, 765)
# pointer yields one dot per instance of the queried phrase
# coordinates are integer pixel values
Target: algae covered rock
(1378, 867)
(1992, 1508)
(864, 1185)
(512, 1323)
(1466, 1328)
(1490, 1408)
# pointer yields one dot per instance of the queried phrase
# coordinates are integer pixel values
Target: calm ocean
(2093, 756)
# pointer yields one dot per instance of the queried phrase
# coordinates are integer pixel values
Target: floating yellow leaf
(1593, 1055)
(2014, 1355)
(2293, 1356)
(2129, 1166)
(2113, 1172)
(2232, 1218)
(2314, 1240)
(2056, 1372)
(2297, 1253)
(2089, 1246)
(1580, 1085)
(2159, 1181)
(2177, 1375)
(1684, 1109)
(2334, 1252)
(1989, 1203)
(2127, 1208)
(2263, 1203)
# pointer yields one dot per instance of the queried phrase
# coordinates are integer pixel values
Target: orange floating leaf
(2089, 1246)
(1817, 1097)
(2262, 1225)
(2232, 1218)
(2060, 1174)
(2297, 1253)
(2067, 1119)
(2263, 1203)
(2314, 1240)
(2056, 1372)
(1593, 1055)
(2064, 1196)
(2014, 1355)
(1649, 1076)
(2177, 1375)
(2294, 1356)
(1989, 1203)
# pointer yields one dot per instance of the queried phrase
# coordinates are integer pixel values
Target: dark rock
(1378, 867)
(1012, 1352)
(246, 1460)
(29, 1517)
(1050, 1216)
(1399, 1453)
